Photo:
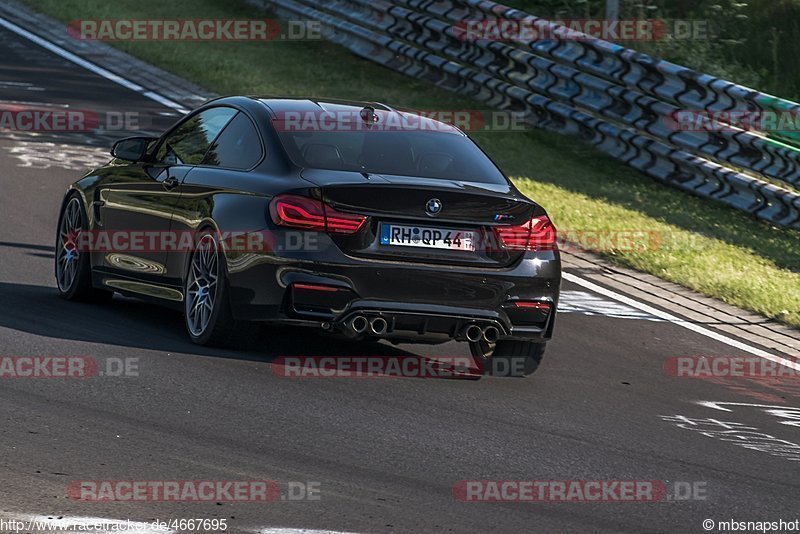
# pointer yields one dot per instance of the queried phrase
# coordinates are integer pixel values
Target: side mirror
(131, 148)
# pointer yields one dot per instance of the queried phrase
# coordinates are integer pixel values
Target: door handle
(171, 182)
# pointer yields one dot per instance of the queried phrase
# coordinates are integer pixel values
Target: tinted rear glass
(445, 155)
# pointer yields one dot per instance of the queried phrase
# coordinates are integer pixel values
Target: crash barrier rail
(622, 101)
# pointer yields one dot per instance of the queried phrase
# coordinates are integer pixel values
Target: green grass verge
(705, 246)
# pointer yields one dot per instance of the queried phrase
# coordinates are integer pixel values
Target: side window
(188, 144)
(237, 147)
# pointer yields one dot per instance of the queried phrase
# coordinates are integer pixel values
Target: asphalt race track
(385, 453)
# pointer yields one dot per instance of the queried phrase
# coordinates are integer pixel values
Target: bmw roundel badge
(434, 206)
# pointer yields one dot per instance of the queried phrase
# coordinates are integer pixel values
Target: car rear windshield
(445, 155)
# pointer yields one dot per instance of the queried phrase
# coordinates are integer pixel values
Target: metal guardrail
(615, 98)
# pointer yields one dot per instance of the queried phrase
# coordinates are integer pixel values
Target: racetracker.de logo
(25, 118)
(208, 30)
(174, 490)
(20, 118)
(745, 367)
(131, 241)
(374, 367)
(578, 491)
(525, 30)
(378, 120)
(66, 367)
(733, 121)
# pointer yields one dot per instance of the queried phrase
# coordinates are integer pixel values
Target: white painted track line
(680, 322)
(100, 71)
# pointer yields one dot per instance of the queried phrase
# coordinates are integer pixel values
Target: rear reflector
(318, 300)
(532, 305)
(536, 234)
(301, 212)
(315, 287)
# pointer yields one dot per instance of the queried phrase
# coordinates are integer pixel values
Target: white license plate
(426, 237)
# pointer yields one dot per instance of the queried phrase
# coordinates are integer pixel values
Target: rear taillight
(302, 212)
(536, 234)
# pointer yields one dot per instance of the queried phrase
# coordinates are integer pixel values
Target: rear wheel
(207, 309)
(507, 357)
(73, 266)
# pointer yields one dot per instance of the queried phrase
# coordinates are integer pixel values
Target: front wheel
(507, 357)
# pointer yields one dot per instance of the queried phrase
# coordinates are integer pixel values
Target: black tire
(508, 358)
(77, 286)
(222, 330)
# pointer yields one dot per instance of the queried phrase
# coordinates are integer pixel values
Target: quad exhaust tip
(359, 324)
(473, 333)
(378, 326)
(491, 334)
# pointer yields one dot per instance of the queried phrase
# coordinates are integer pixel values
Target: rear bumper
(420, 323)
(421, 302)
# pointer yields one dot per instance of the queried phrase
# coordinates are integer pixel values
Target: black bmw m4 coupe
(351, 218)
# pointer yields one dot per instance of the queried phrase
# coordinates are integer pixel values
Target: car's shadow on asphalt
(133, 323)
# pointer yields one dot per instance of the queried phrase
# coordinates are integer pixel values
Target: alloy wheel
(201, 286)
(68, 255)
